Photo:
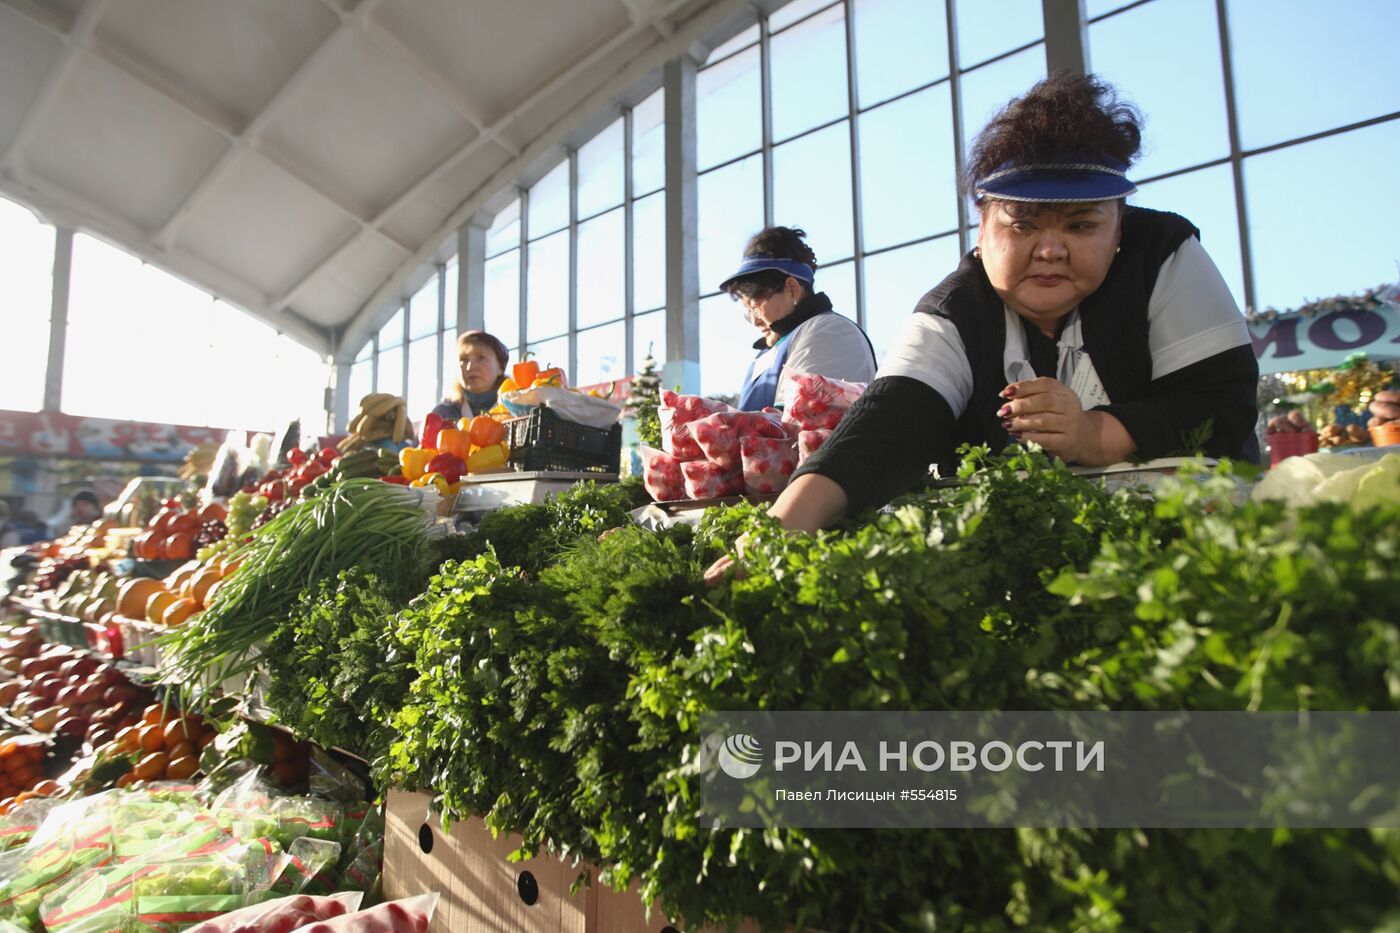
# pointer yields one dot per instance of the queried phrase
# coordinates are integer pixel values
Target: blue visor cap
(1060, 183)
(751, 264)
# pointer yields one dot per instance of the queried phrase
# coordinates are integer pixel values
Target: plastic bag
(816, 402)
(661, 474)
(808, 442)
(574, 406)
(363, 859)
(19, 825)
(282, 915)
(768, 463)
(718, 435)
(675, 412)
(311, 867)
(75, 838)
(706, 480)
(406, 915)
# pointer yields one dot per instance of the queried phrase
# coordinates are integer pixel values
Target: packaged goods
(768, 463)
(706, 480)
(816, 402)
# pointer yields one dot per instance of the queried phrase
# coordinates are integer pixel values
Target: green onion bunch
(356, 523)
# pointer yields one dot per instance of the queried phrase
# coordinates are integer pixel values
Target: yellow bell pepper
(414, 461)
(436, 480)
(488, 458)
(507, 386)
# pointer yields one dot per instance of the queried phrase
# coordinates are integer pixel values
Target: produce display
(55, 689)
(546, 670)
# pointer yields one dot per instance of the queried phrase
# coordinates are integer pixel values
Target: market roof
(303, 159)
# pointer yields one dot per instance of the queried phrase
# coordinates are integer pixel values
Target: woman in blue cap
(1097, 330)
(799, 331)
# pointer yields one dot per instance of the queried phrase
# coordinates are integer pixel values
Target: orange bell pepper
(485, 431)
(524, 372)
(554, 376)
(454, 441)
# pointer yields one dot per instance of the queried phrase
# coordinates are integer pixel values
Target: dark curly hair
(783, 243)
(1062, 116)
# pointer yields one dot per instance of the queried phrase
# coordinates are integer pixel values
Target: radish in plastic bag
(808, 443)
(661, 475)
(706, 480)
(719, 434)
(768, 463)
(406, 915)
(675, 413)
(817, 403)
(283, 914)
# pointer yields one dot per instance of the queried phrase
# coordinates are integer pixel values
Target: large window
(853, 119)
(144, 345)
(26, 269)
(1314, 101)
(892, 211)
(578, 302)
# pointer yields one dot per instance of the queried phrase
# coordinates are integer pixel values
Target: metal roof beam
(63, 208)
(364, 318)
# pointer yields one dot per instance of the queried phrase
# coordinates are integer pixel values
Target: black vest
(1114, 321)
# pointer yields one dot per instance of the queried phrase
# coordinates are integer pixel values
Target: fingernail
(1004, 411)
(1006, 424)
(1010, 392)
(1014, 437)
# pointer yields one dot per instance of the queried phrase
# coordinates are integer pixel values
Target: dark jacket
(900, 426)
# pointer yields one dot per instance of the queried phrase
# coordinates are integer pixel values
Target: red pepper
(398, 479)
(431, 426)
(450, 466)
(296, 456)
(327, 456)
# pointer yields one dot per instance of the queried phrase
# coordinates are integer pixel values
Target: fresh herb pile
(329, 676)
(555, 682)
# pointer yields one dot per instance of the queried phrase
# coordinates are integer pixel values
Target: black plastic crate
(544, 441)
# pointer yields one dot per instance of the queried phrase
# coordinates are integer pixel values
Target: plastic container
(1285, 444)
(1386, 434)
(543, 441)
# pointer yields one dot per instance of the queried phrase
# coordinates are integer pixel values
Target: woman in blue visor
(1098, 330)
(798, 330)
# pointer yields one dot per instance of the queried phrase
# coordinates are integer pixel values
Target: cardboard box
(483, 892)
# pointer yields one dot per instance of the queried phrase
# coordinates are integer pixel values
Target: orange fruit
(155, 713)
(152, 738)
(178, 611)
(183, 749)
(202, 583)
(177, 731)
(156, 606)
(133, 595)
(181, 577)
(181, 768)
(151, 767)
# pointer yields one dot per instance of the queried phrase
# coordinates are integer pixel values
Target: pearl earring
(976, 252)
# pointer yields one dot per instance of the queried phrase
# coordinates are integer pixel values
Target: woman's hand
(1045, 411)
(716, 572)
(810, 502)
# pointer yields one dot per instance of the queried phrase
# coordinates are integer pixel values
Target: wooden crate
(482, 892)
